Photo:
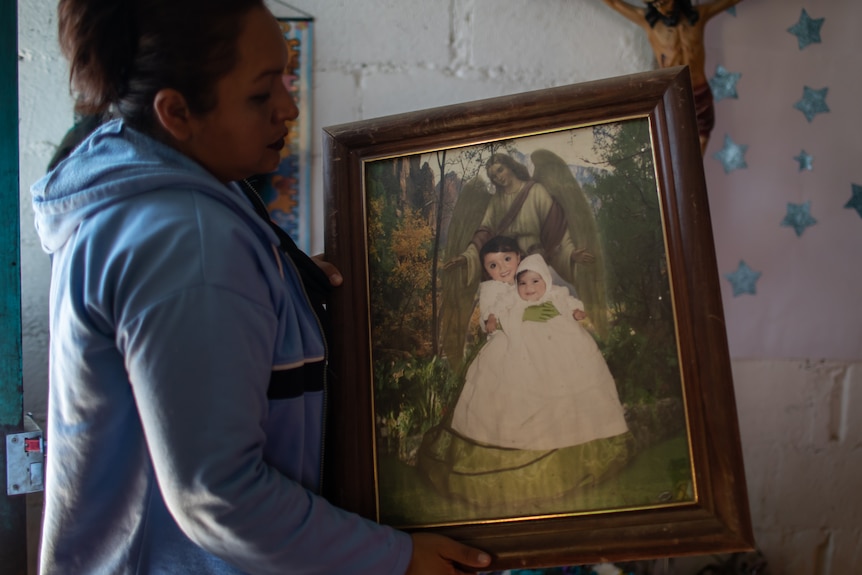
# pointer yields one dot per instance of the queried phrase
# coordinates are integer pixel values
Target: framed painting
(530, 354)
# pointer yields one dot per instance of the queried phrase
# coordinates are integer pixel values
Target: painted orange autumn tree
(412, 385)
(411, 279)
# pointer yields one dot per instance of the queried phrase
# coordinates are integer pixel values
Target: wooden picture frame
(679, 487)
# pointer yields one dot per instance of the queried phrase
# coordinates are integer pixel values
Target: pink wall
(806, 303)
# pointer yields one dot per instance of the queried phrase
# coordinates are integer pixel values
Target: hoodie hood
(113, 164)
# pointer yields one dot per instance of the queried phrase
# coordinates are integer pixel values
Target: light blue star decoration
(732, 10)
(798, 217)
(813, 102)
(743, 280)
(806, 161)
(732, 155)
(723, 84)
(855, 202)
(806, 30)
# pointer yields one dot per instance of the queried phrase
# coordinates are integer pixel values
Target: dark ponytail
(122, 52)
(99, 41)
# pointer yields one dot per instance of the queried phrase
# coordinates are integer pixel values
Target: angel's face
(501, 266)
(531, 286)
(500, 175)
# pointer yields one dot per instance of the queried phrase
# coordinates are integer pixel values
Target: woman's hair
(122, 52)
(520, 170)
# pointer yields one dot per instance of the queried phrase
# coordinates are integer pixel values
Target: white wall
(45, 110)
(800, 441)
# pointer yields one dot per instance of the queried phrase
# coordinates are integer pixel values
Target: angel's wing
(554, 174)
(457, 290)
(466, 216)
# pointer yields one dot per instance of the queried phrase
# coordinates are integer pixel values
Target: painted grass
(659, 474)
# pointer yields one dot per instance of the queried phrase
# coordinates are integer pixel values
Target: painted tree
(641, 350)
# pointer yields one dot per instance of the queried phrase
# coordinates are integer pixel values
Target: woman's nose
(286, 108)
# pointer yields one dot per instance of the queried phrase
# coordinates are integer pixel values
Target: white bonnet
(537, 264)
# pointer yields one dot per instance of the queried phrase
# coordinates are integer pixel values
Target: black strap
(291, 383)
(316, 283)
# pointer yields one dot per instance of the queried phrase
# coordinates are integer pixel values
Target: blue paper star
(732, 10)
(806, 161)
(723, 84)
(732, 155)
(813, 102)
(855, 202)
(743, 280)
(798, 217)
(806, 30)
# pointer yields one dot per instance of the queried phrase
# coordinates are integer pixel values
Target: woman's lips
(278, 144)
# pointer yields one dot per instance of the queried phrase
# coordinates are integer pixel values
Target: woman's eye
(260, 98)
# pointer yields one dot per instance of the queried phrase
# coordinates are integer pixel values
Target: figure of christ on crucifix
(675, 32)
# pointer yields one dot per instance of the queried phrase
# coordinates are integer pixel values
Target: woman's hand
(438, 555)
(579, 314)
(491, 323)
(330, 270)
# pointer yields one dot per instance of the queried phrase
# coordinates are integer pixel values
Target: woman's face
(531, 286)
(244, 134)
(501, 266)
(500, 175)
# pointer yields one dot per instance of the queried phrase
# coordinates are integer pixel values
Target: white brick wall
(802, 444)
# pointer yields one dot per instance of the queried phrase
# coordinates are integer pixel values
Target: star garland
(806, 30)
(855, 202)
(732, 155)
(743, 280)
(806, 161)
(723, 84)
(798, 217)
(813, 102)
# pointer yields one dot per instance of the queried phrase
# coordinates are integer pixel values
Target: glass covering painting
(523, 340)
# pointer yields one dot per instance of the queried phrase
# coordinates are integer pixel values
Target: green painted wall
(13, 547)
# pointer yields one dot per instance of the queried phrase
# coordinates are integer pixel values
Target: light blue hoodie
(173, 315)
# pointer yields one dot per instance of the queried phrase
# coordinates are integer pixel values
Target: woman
(187, 364)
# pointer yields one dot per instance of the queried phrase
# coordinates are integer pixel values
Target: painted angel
(547, 213)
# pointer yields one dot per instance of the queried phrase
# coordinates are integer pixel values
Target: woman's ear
(173, 113)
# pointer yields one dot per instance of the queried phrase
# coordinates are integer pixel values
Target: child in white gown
(538, 416)
(545, 384)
